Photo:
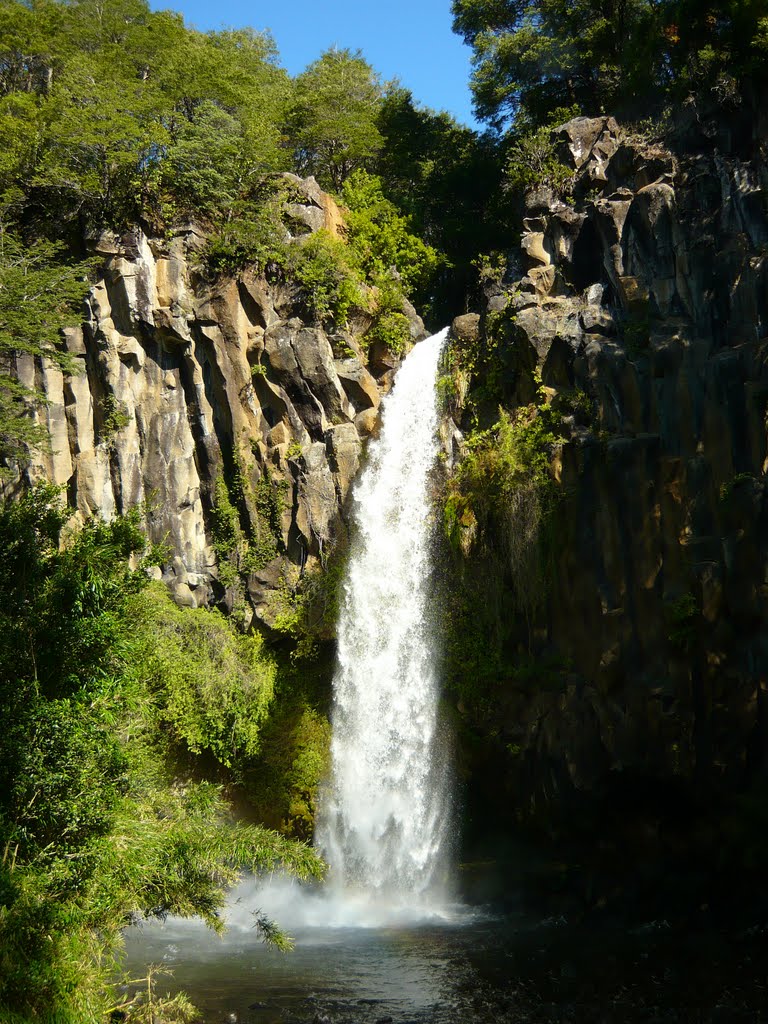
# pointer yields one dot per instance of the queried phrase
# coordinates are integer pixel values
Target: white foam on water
(301, 910)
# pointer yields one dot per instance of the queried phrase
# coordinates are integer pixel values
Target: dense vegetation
(113, 115)
(128, 722)
(625, 57)
(107, 689)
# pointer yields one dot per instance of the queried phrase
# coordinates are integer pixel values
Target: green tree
(99, 133)
(40, 292)
(27, 61)
(204, 164)
(112, 112)
(333, 120)
(720, 45)
(445, 178)
(533, 56)
(96, 826)
(381, 237)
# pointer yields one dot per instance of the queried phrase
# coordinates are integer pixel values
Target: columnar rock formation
(184, 383)
(641, 297)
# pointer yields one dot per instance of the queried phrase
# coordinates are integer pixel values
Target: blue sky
(406, 39)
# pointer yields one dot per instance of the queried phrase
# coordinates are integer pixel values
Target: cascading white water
(386, 813)
(385, 819)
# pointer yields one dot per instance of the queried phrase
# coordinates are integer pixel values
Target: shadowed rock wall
(641, 298)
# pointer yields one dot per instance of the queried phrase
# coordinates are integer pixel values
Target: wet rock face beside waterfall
(643, 304)
(184, 383)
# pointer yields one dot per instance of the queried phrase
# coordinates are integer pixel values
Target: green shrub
(101, 677)
(682, 618)
(254, 237)
(501, 495)
(392, 329)
(514, 454)
(295, 759)
(323, 266)
(213, 686)
(533, 162)
(381, 236)
(242, 551)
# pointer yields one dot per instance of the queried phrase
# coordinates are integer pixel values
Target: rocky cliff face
(219, 406)
(641, 298)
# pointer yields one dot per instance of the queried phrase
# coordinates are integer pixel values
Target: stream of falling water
(385, 822)
(385, 818)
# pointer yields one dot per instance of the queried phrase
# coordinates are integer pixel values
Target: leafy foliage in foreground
(214, 686)
(98, 687)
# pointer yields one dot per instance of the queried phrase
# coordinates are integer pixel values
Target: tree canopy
(533, 56)
(334, 118)
(113, 115)
(111, 112)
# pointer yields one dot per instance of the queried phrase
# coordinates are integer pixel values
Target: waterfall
(386, 816)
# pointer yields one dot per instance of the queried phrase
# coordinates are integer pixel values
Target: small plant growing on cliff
(574, 402)
(323, 267)
(727, 489)
(392, 329)
(636, 331)
(254, 237)
(682, 616)
(514, 453)
(503, 492)
(116, 418)
(215, 685)
(491, 267)
(41, 292)
(227, 533)
(448, 395)
(533, 163)
(240, 552)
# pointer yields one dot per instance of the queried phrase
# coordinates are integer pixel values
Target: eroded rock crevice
(184, 383)
(642, 316)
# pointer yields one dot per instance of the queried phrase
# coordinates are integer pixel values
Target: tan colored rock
(343, 448)
(183, 596)
(279, 434)
(589, 139)
(367, 422)
(465, 330)
(358, 384)
(166, 389)
(330, 216)
(543, 280)
(262, 311)
(533, 246)
(634, 294)
(317, 510)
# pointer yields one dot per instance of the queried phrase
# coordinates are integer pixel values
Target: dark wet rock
(645, 311)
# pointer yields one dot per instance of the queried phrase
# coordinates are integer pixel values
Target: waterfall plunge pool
(470, 967)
